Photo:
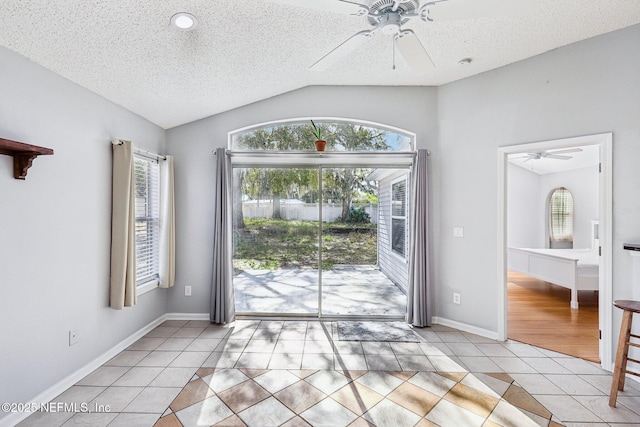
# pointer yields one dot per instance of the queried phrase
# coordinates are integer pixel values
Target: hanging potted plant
(317, 132)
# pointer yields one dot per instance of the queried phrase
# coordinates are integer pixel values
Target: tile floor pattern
(296, 373)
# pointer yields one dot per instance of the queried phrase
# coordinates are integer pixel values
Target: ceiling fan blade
(413, 52)
(345, 7)
(342, 51)
(565, 151)
(451, 10)
(557, 156)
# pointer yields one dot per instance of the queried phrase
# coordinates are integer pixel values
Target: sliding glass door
(353, 238)
(307, 242)
(275, 241)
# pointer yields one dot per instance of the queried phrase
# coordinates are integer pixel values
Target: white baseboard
(186, 316)
(55, 390)
(465, 327)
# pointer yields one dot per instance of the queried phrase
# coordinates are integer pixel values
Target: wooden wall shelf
(23, 155)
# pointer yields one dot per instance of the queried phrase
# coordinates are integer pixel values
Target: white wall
(55, 229)
(525, 216)
(584, 187)
(587, 88)
(192, 144)
(527, 197)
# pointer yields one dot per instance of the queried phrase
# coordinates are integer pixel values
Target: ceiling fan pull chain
(393, 52)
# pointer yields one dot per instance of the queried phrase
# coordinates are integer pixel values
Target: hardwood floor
(539, 314)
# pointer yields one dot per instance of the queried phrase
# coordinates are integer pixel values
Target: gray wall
(192, 144)
(586, 88)
(55, 229)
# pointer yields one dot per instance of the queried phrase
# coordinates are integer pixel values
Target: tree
(341, 183)
(276, 183)
(348, 181)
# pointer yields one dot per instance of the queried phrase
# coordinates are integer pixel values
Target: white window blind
(399, 216)
(561, 216)
(147, 194)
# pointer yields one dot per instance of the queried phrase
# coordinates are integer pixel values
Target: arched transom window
(341, 135)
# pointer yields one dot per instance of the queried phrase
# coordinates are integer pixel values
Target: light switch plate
(458, 232)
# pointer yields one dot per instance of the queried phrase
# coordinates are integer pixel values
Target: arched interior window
(560, 219)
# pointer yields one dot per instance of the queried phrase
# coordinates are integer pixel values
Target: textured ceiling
(246, 50)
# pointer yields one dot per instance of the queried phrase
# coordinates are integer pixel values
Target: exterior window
(340, 136)
(147, 194)
(399, 216)
(561, 219)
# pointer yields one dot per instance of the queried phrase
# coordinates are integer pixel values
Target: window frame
(408, 147)
(403, 179)
(151, 207)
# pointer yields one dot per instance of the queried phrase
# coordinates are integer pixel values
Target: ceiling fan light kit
(390, 23)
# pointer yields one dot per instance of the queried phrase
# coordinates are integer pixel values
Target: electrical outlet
(458, 232)
(73, 337)
(187, 291)
(456, 298)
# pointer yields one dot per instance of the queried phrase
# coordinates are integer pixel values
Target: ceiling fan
(389, 16)
(552, 154)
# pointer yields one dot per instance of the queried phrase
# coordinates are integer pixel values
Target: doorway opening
(557, 299)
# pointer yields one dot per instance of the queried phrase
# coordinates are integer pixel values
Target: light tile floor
(297, 373)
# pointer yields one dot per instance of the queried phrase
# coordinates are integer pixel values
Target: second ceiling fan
(554, 154)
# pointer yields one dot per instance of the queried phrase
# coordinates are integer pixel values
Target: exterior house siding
(391, 264)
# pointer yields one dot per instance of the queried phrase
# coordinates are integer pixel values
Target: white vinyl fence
(297, 209)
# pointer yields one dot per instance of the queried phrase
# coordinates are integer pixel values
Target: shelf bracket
(23, 155)
(21, 163)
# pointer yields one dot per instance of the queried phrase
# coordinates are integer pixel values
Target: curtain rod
(149, 154)
(213, 152)
(144, 153)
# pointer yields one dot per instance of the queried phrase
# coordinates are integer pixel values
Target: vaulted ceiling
(245, 51)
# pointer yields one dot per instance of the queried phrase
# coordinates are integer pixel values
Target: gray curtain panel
(123, 222)
(419, 286)
(222, 303)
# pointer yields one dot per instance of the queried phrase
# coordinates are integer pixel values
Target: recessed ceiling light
(465, 61)
(184, 21)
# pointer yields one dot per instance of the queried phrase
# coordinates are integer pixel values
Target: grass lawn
(281, 244)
